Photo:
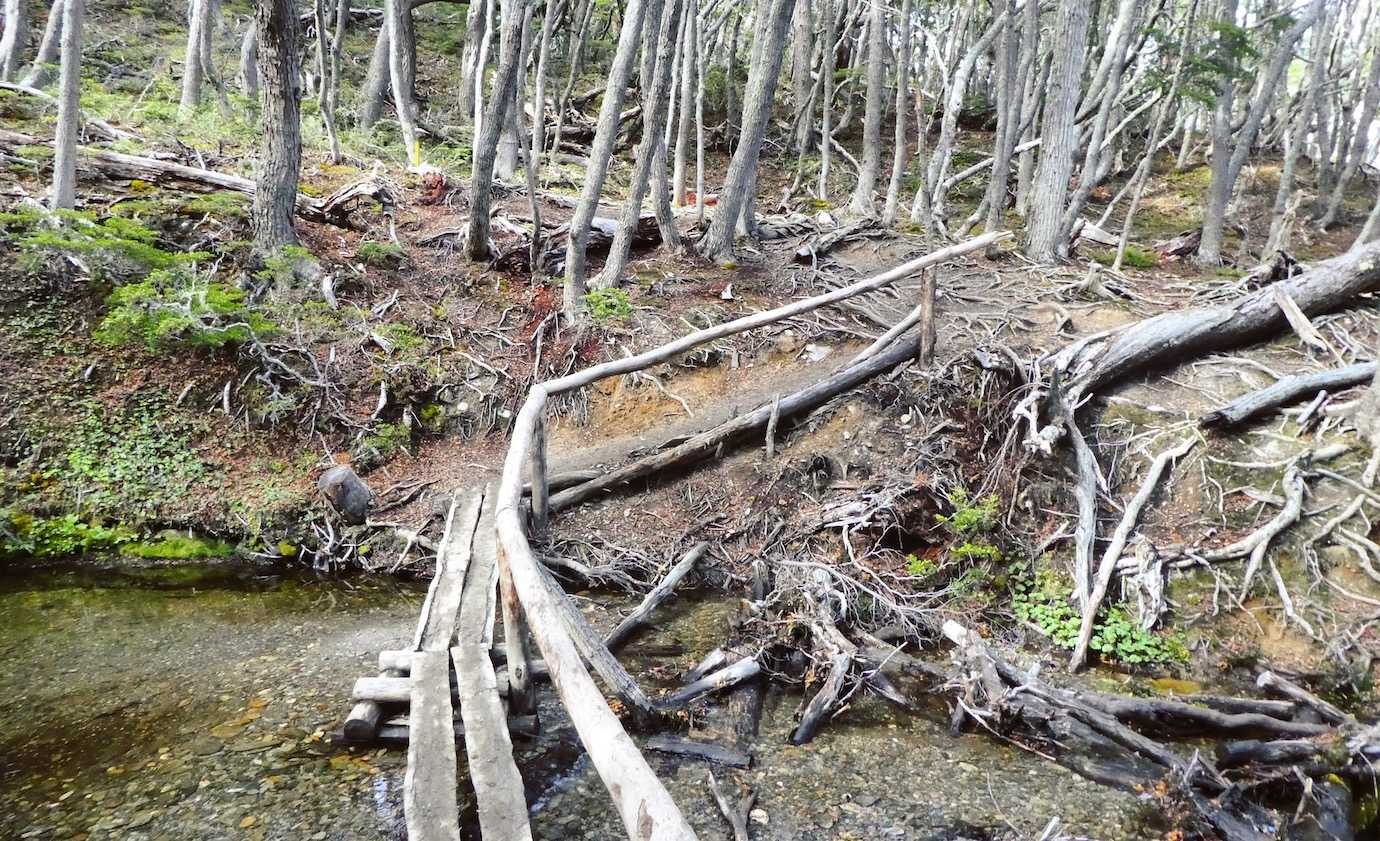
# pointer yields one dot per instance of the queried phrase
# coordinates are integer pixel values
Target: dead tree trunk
(397, 17)
(69, 108)
(862, 204)
(197, 13)
(280, 157)
(49, 48)
(495, 122)
(600, 151)
(13, 39)
(653, 121)
(249, 61)
(1360, 142)
(742, 168)
(1058, 134)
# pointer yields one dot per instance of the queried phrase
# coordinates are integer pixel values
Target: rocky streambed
(196, 702)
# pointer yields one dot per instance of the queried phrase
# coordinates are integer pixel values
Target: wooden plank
(480, 597)
(494, 774)
(436, 627)
(429, 786)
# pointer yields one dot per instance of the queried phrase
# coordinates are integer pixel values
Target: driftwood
(334, 209)
(1287, 390)
(817, 246)
(601, 233)
(662, 591)
(1272, 682)
(732, 675)
(709, 751)
(825, 700)
(710, 442)
(735, 813)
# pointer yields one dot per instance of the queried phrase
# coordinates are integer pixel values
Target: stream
(197, 701)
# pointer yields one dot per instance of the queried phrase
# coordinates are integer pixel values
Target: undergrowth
(1042, 600)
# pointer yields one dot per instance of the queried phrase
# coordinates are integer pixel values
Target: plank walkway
(457, 627)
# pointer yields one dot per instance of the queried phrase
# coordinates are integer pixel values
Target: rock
(759, 816)
(347, 493)
(207, 746)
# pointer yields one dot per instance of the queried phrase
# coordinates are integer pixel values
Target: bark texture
(280, 158)
(69, 108)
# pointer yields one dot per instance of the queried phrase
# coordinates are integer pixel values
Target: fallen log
(1272, 682)
(709, 751)
(362, 722)
(706, 444)
(334, 209)
(1172, 338)
(662, 591)
(1287, 390)
(817, 246)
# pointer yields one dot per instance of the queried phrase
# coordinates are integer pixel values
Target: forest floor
(130, 444)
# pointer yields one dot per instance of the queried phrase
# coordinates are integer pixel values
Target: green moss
(1135, 257)
(112, 245)
(386, 255)
(57, 537)
(180, 308)
(177, 546)
(608, 305)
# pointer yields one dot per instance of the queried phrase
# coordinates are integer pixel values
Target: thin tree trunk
(577, 51)
(331, 98)
(687, 88)
(898, 154)
(471, 71)
(1010, 107)
(1360, 140)
(15, 37)
(502, 97)
(191, 62)
(605, 133)
(530, 154)
(505, 163)
(554, 9)
(319, 21)
(69, 108)
(480, 63)
(699, 119)
(801, 51)
(1371, 230)
(249, 61)
(862, 204)
(653, 117)
(210, 23)
(280, 159)
(1058, 134)
(49, 48)
(374, 91)
(762, 77)
(827, 114)
(397, 14)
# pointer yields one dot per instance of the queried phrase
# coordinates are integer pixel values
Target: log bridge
(486, 568)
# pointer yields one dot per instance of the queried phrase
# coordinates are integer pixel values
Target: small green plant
(1230, 271)
(180, 307)
(386, 440)
(177, 547)
(608, 305)
(970, 516)
(383, 255)
(916, 565)
(979, 550)
(1042, 600)
(57, 537)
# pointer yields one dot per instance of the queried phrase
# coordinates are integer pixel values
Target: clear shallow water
(194, 702)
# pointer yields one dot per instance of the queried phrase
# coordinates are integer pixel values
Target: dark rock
(347, 493)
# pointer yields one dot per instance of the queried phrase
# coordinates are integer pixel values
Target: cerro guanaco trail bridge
(486, 568)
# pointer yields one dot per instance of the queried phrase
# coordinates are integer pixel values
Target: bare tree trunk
(1010, 108)
(471, 72)
(69, 108)
(15, 37)
(530, 154)
(898, 156)
(1371, 230)
(801, 30)
(376, 85)
(191, 63)
(331, 91)
(280, 158)
(480, 63)
(605, 133)
(210, 23)
(502, 97)
(505, 163)
(757, 102)
(1058, 135)
(699, 118)
(687, 88)
(1225, 170)
(554, 9)
(249, 61)
(49, 48)
(827, 114)
(1360, 139)
(653, 118)
(577, 49)
(397, 15)
(1296, 136)
(862, 203)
